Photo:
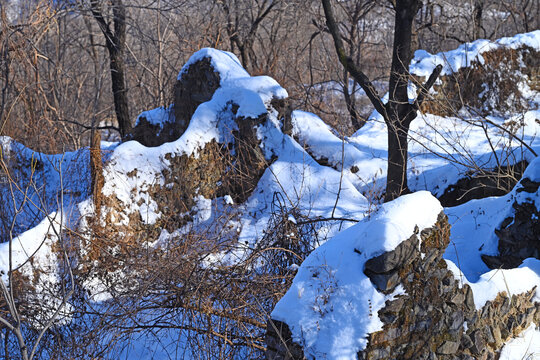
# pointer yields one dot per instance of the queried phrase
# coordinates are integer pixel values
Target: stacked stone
(436, 317)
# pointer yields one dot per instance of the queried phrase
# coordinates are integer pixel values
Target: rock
(469, 298)
(448, 348)
(279, 343)
(528, 185)
(196, 85)
(519, 234)
(404, 254)
(488, 335)
(427, 320)
(385, 282)
(492, 182)
(455, 321)
(458, 298)
(383, 269)
(478, 342)
(466, 341)
(496, 332)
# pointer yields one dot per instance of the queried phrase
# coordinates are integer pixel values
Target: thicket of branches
(59, 85)
(56, 68)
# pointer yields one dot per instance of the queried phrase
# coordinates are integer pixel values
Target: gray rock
(478, 342)
(385, 282)
(448, 348)
(402, 255)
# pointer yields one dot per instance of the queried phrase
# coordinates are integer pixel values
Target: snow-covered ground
(325, 176)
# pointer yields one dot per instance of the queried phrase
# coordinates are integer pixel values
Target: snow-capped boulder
(196, 83)
(382, 290)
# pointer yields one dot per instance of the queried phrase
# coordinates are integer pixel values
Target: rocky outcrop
(195, 85)
(493, 85)
(436, 316)
(494, 182)
(519, 234)
(220, 169)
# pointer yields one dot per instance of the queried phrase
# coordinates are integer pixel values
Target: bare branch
(349, 64)
(425, 89)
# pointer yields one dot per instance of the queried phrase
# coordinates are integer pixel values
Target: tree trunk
(119, 90)
(477, 19)
(115, 42)
(396, 180)
(399, 113)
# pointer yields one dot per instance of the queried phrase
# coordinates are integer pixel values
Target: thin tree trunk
(115, 42)
(400, 112)
(396, 180)
(119, 90)
(477, 19)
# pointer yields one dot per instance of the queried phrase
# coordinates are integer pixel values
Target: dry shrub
(491, 87)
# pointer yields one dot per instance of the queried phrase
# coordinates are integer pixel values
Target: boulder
(196, 84)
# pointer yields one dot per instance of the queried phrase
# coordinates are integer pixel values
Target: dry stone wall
(436, 317)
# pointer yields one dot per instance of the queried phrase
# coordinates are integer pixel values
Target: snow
(36, 243)
(326, 307)
(524, 347)
(41, 182)
(157, 116)
(314, 196)
(332, 306)
(423, 62)
(511, 281)
(225, 63)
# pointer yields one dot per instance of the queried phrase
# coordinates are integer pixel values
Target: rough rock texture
(284, 108)
(519, 234)
(436, 318)
(196, 85)
(279, 343)
(495, 182)
(491, 86)
(219, 169)
(150, 134)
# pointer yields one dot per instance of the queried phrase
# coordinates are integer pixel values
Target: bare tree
(398, 113)
(114, 32)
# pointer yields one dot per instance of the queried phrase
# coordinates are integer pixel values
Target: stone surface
(519, 234)
(196, 85)
(428, 320)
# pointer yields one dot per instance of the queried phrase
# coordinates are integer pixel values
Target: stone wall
(436, 317)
